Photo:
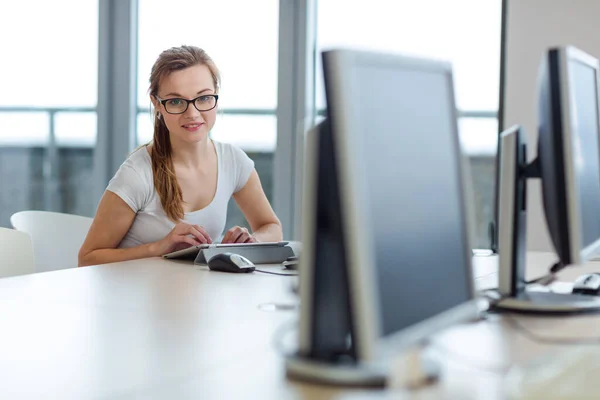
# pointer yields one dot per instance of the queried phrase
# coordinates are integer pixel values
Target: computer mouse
(230, 262)
(587, 284)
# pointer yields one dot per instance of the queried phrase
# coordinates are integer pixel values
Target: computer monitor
(387, 258)
(568, 163)
(569, 153)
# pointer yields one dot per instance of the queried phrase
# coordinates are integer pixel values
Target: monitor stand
(530, 301)
(338, 374)
(512, 228)
(414, 368)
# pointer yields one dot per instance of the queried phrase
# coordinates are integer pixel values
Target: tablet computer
(191, 252)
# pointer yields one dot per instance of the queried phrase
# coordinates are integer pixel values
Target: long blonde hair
(165, 181)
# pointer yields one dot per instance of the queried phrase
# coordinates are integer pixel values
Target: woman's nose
(191, 111)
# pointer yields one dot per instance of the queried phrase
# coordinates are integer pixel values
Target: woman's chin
(193, 137)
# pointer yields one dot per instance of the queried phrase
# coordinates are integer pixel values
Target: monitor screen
(408, 148)
(584, 103)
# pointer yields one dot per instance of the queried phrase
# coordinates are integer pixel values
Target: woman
(173, 193)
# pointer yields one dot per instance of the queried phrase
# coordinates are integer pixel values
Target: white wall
(532, 27)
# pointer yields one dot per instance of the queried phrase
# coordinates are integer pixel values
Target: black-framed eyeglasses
(205, 102)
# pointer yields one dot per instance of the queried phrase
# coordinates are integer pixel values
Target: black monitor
(386, 260)
(568, 164)
(569, 153)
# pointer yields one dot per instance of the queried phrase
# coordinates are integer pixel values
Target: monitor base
(549, 303)
(310, 370)
(412, 369)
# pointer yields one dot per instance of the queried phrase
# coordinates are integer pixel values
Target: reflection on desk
(571, 373)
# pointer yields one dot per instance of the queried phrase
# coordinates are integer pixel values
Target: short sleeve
(131, 186)
(243, 167)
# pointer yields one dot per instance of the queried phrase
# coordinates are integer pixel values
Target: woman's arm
(113, 220)
(253, 202)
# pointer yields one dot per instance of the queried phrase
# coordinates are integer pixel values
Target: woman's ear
(155, 103)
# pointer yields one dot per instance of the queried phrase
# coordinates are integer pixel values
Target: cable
(544, 280)
(550, 276)
(517, 326)
(273, 273)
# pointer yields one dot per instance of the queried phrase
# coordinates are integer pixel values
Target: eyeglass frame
(161, 101)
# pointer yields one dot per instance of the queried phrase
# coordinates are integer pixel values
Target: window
(464, 32)
(48, 101)
(242, 38)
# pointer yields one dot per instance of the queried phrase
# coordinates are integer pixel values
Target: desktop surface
(157, 329)
(132, 329)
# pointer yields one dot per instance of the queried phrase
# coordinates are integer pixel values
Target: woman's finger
(187, 239)
(243, 238)
(236, 235)
(226, 237)
(200, 236)
(204, 233)
(181, 246)
(231, 235)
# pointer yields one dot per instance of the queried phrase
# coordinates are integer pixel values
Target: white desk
(156, 329)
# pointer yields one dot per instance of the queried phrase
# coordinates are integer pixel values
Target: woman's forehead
(187, 81)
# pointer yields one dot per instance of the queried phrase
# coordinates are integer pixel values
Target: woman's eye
(174, 102)
(205, 99)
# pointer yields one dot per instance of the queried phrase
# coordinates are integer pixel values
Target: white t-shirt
(134, 183)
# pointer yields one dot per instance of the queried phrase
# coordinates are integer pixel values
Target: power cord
(494, 297)
(273, 273)
(543, 280)
(520, 328)
(550, 276)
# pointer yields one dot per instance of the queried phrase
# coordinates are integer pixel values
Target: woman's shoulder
(229, 151)
(133, 180)
(139, 160)
(140, 157)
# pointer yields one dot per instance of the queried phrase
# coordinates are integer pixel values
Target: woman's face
(192, 126)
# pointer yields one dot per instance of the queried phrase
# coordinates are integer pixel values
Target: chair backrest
(56, 237)
(16, 253)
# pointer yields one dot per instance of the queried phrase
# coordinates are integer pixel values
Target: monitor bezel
(567, 54)
(371, 346)
(512, 187)
(307, 260)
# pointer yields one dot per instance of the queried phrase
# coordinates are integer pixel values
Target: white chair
(16, 253)
(56, 237)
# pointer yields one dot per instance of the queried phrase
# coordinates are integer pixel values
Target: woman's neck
(192, 156)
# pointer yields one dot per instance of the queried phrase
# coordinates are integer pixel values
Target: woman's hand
(183, 235)
(238, 234)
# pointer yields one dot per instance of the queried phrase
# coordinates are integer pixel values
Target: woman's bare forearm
(269, 233)
(104, 256)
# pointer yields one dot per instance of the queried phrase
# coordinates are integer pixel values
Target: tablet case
(258, 255)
